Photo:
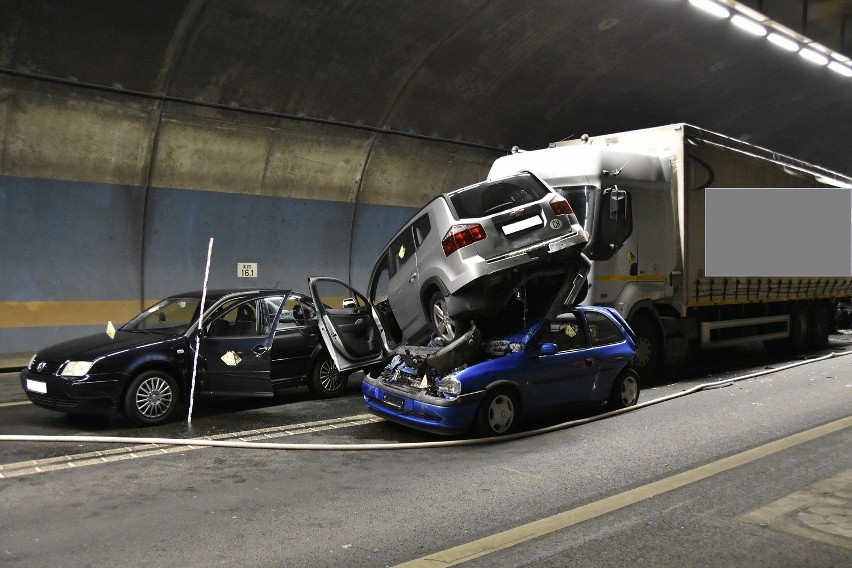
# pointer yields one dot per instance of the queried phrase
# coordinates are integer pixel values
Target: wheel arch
(429, 287)
(512, 388)
(164, 367)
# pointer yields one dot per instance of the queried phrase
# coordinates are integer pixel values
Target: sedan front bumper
(93, 394)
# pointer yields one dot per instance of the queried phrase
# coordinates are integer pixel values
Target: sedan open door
(350, 327)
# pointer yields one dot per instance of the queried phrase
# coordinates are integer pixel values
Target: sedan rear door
(348, 325)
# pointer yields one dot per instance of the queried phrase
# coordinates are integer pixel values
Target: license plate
(517, 226)
(558, 245)
(392, 400)
(37, 386)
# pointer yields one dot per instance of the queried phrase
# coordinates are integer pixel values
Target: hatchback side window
(567, 332)
(401, 251)
(602, 330)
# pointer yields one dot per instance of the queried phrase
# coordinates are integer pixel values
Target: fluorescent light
(840, 68)
(814, 56)
(840, 57)
(748, 25)
(711, 8)
(783, 42)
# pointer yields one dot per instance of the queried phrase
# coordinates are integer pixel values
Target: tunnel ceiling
(495, 73)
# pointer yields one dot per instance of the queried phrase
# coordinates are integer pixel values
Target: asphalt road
(645, 488)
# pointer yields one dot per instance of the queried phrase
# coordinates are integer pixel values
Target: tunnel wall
(108, 200)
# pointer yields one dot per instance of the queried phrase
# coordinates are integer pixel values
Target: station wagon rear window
(487, 199)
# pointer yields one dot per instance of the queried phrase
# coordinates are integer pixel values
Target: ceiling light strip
(758, 24)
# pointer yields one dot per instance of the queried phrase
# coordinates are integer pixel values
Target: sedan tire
(498, 414)
(326, 380)
(625, 390)
(151, 398)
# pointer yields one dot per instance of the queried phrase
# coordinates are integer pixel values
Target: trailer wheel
(649, 346)
(822, 324)
(800, 329)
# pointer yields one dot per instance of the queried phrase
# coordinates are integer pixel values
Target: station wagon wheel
(625, 390)
(151, 398)
(326, 381)
(497, 414)
(447, 328)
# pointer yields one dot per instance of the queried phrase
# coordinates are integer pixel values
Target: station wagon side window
(401, 251)
(602, 330)
(421, 227)
(379, 280)
(567, 332)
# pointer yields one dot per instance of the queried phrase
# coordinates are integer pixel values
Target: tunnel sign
(246, 270)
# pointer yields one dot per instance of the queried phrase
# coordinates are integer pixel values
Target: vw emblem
(40, 367)
(556, 224)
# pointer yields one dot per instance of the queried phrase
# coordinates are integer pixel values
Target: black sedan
(249, 344)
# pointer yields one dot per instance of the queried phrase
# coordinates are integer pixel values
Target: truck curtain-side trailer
(652, 267)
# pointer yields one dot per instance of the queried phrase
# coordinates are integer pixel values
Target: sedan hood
(91, 347)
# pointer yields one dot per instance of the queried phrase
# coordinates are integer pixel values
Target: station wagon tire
(625, 390)
(649, 346)
(498, 414)
(446, 327)
(325, 380)
(151, 398)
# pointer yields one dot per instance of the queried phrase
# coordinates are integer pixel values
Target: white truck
(641, 196)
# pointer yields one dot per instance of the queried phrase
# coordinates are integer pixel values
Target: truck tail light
(460, 236)
(560, 206)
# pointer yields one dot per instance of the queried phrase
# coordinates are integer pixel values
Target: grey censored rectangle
(778, 232)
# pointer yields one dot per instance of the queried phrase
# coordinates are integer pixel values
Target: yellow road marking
(506, 539)
(98, 457)
(18, 403)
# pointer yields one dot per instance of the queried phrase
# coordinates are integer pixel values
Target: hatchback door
(234, 352)
(348, 325)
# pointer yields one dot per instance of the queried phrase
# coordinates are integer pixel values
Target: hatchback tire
(625, 390)
(326, 380)
(151, 398)
(498, 414)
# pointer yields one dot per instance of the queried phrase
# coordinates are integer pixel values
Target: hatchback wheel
(625, 390)
(326, 381)
(151, 398)
(498, 414)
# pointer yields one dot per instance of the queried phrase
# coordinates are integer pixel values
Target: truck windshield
(578, 197)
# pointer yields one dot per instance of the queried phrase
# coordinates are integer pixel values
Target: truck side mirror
(611, 222)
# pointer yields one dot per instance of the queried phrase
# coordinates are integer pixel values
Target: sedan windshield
(171, 316)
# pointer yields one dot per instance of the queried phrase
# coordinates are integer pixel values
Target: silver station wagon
(468, 252)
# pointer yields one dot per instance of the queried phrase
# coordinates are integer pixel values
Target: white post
(198, 332)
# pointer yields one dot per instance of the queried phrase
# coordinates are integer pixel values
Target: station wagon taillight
(460, 236)
(560, 206)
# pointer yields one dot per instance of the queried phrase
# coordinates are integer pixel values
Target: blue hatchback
(579, 358)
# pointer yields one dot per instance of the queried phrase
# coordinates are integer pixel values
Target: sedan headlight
(32, 361)
(450, 385)
(76, 368)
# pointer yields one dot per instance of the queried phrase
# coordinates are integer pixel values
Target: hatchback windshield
(172, 315)
(489, 198)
